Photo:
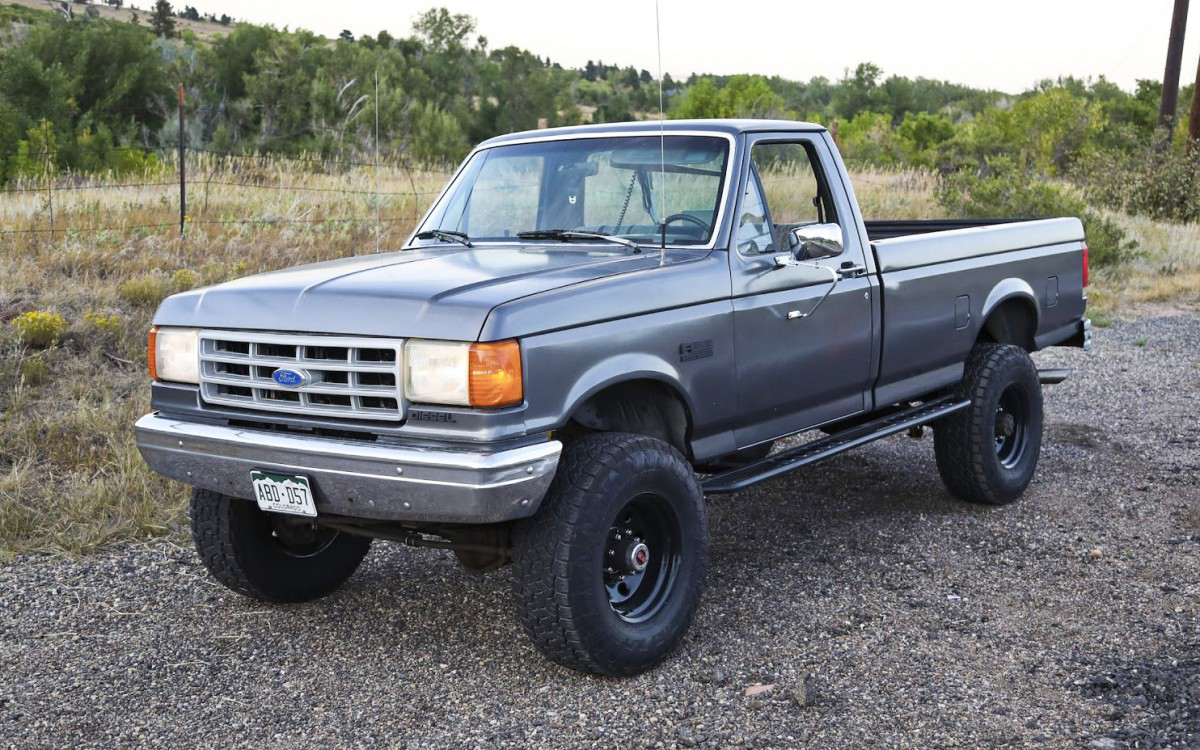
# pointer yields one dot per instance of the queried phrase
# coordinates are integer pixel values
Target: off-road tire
(967, 443)
(236, 543)
(562, 595)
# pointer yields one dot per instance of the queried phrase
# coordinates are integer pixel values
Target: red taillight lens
(1085, 265)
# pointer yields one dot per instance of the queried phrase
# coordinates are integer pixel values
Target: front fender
(623, 368)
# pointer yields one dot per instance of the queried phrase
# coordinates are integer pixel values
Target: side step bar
(820, 449)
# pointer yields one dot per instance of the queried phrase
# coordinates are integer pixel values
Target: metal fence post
(182, 168)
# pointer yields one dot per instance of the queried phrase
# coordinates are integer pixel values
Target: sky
(1008, 46)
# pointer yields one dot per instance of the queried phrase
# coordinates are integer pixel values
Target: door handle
(850, 270)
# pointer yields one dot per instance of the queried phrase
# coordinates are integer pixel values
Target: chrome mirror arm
(787, 261)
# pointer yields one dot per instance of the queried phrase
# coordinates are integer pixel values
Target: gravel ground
(882, 612)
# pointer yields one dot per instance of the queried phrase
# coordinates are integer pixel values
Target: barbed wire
(202, 222)
(256, 176)
(95, 186)
(301, 188)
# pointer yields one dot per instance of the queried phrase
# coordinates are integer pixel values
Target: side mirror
(816, 241)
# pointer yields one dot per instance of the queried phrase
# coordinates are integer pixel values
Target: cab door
(803, 344)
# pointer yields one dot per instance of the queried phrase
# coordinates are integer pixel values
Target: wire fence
(187, 198)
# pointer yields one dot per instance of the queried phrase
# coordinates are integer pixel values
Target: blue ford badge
(290, 378)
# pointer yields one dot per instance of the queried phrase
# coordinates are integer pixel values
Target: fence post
(182, 168)
(49, 167)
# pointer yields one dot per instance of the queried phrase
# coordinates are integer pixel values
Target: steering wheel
(688, 217)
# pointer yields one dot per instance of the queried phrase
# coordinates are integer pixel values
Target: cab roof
(651, 127)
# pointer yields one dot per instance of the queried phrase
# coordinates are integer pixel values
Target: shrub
(183, 280)
(102, 329)
(35, 370)
(1163, 186)
(1010, 193)
(144, 291)
(39, 330)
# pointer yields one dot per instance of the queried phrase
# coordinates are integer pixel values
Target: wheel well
(645, 407)
(1013, 321)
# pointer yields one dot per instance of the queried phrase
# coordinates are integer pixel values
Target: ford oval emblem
(290, 378)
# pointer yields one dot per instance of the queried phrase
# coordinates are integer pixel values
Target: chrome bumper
(362, 480)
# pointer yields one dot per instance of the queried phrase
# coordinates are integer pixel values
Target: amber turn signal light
(150, 344)
(494, 370)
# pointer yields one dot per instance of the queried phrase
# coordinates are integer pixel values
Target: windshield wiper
(566, 235)
(445, 235)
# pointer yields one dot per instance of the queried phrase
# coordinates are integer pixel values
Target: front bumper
(357, 479)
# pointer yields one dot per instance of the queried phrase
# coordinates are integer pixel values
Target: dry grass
(1166, 271)
(70, 477)
(896, 193)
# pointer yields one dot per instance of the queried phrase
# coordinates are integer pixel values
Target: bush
(39, 330)
(35, 370)
(150, 289)
(100, 327)
(183, 280)
(1163, 186)
(144, 291)
(1009, 193)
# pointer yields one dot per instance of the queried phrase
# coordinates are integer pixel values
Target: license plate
(283, 493)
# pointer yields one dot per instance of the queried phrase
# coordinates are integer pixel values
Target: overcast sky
(1004, 45)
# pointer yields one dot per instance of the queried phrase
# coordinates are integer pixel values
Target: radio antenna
(662, 143)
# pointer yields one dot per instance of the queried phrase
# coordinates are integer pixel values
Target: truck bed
(939, 282)
(886, 229)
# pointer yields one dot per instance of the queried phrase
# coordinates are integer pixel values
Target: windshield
(609, 186)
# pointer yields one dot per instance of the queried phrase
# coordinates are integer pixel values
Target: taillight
(1085, 265)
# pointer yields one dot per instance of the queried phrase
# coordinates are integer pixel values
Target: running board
(823, 448)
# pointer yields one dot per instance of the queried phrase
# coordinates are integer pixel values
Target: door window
(754, 226)
(786, 190)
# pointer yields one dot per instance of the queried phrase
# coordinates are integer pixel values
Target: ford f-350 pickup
(592, 329)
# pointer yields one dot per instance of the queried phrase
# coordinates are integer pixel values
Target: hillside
(204, 30)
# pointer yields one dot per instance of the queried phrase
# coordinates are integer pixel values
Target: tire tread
(543, 549)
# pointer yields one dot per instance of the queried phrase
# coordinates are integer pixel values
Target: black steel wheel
(608, 573)
(268, 556)
(642, 557)
(1011, 427)
(988, 452)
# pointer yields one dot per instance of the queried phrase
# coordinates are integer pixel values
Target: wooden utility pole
(1170, 89)
(1194, 117)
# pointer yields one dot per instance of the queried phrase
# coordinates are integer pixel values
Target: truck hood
(442, 293)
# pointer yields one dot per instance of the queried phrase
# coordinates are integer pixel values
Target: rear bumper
(1077, 333)
(1082, 337)
(357, 479)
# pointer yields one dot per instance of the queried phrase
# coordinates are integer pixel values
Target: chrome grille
(352, 377)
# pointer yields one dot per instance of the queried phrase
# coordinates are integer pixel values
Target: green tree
(860, 92)
(517, 92)
(233, 57)
(741, 96)
(280, 88)
(919, 136)
(162, 20)
(616, 108)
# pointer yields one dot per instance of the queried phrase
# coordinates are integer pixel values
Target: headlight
(463, 374)
(173, 355)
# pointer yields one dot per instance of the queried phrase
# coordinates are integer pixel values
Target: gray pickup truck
(590, 331)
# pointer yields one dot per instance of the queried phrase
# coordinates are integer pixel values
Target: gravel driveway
(883, 613)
